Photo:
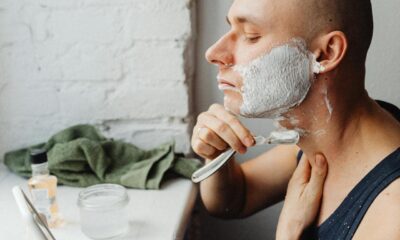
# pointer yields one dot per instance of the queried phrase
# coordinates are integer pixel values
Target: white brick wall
(124, 65)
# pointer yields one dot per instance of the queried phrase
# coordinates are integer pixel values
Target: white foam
(320, 132)
(277, 81)
(327, 103)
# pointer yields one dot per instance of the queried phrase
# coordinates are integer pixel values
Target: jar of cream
(103, 211)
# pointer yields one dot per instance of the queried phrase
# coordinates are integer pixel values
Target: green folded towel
(80, 156)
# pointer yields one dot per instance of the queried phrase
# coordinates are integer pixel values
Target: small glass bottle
(43, 187)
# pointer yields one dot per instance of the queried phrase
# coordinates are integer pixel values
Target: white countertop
(153, 214)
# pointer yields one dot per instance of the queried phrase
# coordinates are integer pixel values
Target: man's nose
(220, 53)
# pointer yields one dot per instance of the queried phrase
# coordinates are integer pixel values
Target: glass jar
(103, 211)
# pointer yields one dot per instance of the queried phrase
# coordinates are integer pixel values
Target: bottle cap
(38, 156)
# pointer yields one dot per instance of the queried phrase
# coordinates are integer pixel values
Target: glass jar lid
(103, 197)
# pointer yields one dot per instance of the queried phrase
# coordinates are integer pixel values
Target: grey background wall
(383, 82)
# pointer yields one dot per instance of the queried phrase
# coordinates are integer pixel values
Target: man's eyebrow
(243, 20)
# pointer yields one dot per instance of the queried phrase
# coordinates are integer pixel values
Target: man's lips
(223, 81)
(227, 85)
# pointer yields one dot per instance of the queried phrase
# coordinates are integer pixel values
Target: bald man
(359, 139)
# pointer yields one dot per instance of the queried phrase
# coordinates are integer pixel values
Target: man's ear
(330, 50)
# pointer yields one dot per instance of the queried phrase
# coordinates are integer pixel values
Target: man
(337, 119)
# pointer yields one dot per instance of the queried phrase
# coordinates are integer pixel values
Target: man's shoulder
(390, 196)
(391, 108)
(382, 220)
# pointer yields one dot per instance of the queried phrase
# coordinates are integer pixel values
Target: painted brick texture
(123, 65)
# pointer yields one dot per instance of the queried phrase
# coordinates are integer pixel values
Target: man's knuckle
(222, 127)
(224, 145)
(201, 117)
(214, 107)
(206, 135)
(313, 194)
(319, 172)
(196, 145)
(233, 121)
(200, 147)
(221, 147)
(237, 145)
(202, 152)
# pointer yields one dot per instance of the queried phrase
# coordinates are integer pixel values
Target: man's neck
(343, 127)
(332, 133)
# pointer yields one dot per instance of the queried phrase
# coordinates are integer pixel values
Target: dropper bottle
(43, 187)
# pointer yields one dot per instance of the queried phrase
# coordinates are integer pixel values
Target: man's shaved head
(353, 17)
(311, 18)
(347, 22)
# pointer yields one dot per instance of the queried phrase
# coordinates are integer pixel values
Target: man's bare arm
(267, 177)
(241, 190)
(382, 220)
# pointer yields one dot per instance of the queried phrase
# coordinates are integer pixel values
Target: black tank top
(343, 223)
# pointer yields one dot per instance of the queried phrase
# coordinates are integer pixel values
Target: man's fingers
(302, 173)
(210, 137)
(318, 175)
(219, 129)
(241, 131)
(224, 131)
(203, 149)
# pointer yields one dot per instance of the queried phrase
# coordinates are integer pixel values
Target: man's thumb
(318, 173)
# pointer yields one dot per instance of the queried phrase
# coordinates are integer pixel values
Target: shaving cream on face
(278, 80)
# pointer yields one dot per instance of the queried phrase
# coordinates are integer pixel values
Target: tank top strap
(343, 223)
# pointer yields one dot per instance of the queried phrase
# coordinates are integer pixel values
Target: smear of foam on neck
(302, 132)
(327, 102)
(319, 133)
(284, 137)
(293, 121)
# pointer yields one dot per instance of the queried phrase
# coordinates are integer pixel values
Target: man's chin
(235, 110)
(232, 104)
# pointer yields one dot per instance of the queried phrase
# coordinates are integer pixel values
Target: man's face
(256, 27)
